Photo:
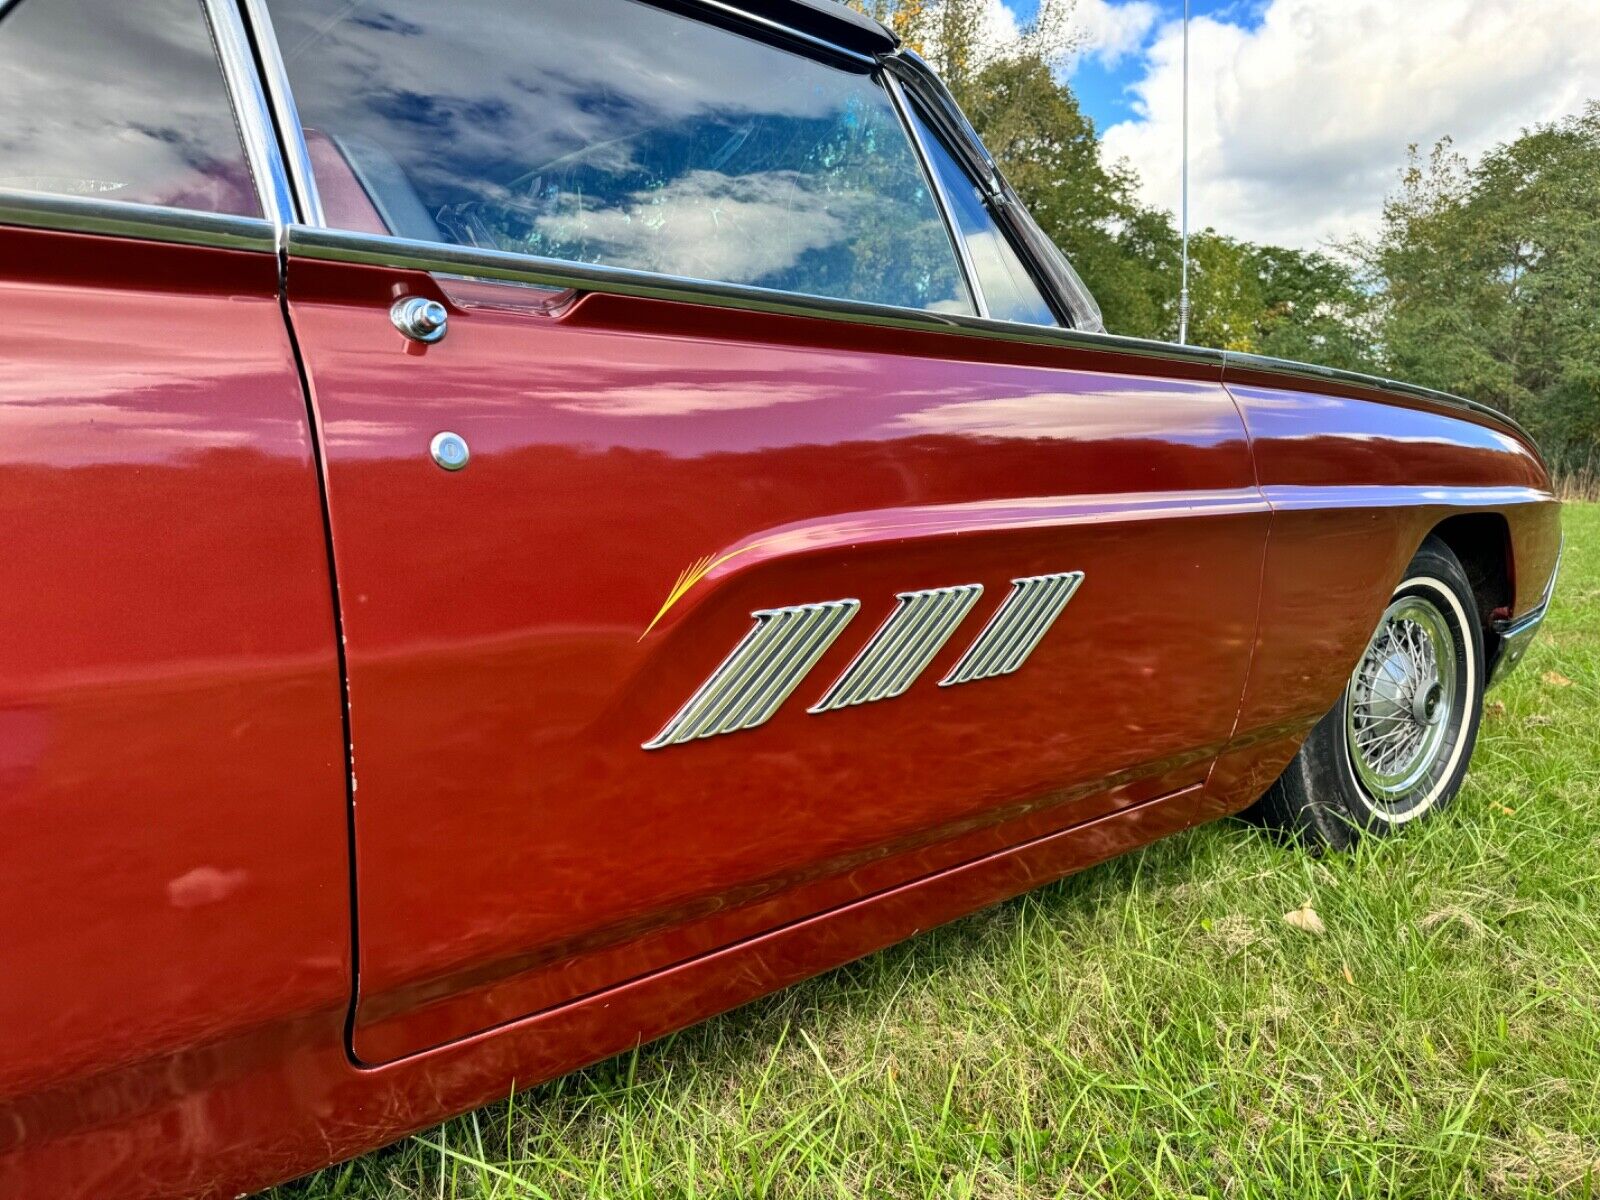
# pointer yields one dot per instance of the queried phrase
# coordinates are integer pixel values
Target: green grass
(1153, 1027)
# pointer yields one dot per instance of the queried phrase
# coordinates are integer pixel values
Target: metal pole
(1183, 293)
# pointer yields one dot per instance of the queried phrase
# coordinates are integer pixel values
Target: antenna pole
(1183, 293)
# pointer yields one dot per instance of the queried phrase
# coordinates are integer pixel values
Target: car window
(121, 101)
(1009, 292)
(614, 132)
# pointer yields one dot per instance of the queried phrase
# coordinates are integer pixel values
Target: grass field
(1154, 1027)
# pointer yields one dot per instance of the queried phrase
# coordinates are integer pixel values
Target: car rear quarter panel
(1356, 480)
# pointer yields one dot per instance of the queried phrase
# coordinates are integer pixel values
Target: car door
(173, 872)
(712, 418)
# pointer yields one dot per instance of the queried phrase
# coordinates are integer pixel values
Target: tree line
(1481, 278)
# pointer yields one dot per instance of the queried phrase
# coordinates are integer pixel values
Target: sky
(1301, 111)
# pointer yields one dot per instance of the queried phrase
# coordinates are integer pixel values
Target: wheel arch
(1482, 543)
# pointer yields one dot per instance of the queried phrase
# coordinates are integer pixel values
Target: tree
(1314, 309)
(1046, 147)
(1485, 276)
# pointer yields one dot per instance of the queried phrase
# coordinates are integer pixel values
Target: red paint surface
(174, 903)
(501, 681)
(172, 788)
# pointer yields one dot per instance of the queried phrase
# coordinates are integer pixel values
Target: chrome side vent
(903, 646)
(767, 665)
(1018, 625)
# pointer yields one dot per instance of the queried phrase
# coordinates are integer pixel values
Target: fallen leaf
(1495, 708)
(1507, 809)
(1306, 920)
(1556, 679)
(1348, 977)
(1539, 719)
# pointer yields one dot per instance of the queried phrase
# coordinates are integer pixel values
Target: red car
(532, 522)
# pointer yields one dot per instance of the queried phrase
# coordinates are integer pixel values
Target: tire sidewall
(1435, 576)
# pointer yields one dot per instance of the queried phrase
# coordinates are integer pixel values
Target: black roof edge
(830, 20)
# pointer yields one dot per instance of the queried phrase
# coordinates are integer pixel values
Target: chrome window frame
(274, 186)
(275, 101)
(907, 98)
(291, 136)
(936, 189)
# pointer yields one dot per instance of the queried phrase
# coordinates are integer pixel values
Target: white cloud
(1299, 126)
(1107, 30)
(1111, 32)
(707, 225)
(998, 33)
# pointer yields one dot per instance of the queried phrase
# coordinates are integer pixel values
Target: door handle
(420, 319)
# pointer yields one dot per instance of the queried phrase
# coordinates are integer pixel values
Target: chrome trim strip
(250, 111)
(4, 5)
(903, 646)
(284, 114)
(118, 218)
(936, 188)
(336, 245)
(751, 684)
(1016, 628)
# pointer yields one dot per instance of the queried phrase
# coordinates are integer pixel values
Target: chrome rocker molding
(903, 647)
(1517, 633)
(764, 668)
(1016, 628)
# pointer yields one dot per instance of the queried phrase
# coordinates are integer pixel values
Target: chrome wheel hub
(1400, 694)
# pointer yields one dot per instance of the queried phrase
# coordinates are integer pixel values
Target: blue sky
(1302, 111)
(1104, 90)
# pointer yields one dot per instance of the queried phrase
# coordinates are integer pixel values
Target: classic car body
(745, 632)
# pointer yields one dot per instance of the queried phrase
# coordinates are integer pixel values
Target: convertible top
(829, 19)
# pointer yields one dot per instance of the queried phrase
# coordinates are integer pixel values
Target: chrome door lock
(420, 319)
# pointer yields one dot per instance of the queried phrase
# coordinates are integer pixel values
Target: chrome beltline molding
(382, 250)
(118, 218)
(368, 249)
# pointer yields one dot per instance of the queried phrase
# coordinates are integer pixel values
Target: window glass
(1008, 290)
(614, 132)
(120, 101)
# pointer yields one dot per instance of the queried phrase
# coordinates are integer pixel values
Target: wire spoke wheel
(1396, 744)
(1400, 703)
